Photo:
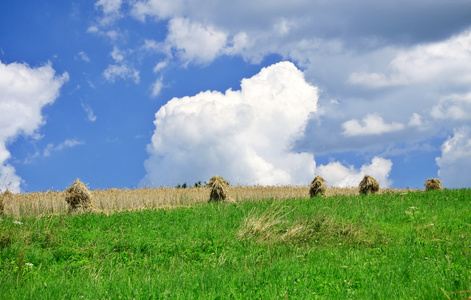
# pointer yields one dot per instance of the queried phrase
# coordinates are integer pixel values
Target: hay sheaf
(218, 187)
(78, 196)
(369, 185)
(6, 196)
(433, 184)
(317, 187)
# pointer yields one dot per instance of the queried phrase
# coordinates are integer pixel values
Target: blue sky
(133, 93)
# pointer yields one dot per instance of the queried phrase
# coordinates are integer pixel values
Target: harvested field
(52, 202)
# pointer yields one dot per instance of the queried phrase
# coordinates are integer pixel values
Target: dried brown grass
(433, 184)
(369, 185)
(317, 187)
(113, 200)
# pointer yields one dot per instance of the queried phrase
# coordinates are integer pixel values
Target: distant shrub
(317, 187)
(369, 185)
(433, 184)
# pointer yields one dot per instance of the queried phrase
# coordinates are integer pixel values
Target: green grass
(392, 246)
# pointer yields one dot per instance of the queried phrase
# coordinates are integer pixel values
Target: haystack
(433, 184)
(6, 196)
(369, 185)
(78, 196)
(218, 187)
(317, 187)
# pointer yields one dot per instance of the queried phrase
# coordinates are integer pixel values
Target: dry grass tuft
(369, 185)
(317, 187)
(78, 196)
(273, 226)
(433, 184)
(262, 226)
(218, 187)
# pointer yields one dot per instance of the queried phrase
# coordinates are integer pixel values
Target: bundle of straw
(369, 185)
(6, 196)
(317, 187)
(78, 196)
(218, 187)
(433, 184)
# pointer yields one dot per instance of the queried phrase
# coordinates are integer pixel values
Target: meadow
(172, 244)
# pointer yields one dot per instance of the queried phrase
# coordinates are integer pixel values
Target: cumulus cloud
(195, 42)
(24, 91)
(455, 161)
(339, 175)
(372, 124)
(245, 136)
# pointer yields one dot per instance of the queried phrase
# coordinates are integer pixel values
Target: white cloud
(415, 120)
(109, 6)
(117, 55)
(90, 114)
(69, 143)
(160, 66)
(244, 136)
(83, 56)
(113, 35)
(195, 42)
(339, 175)
(122, 71)
(446, 61)
(111, 11)
(93, 29)
(8, 179)
(453, 107)
(455, 161)
(372, 124)
(375, 80)
(370, 59)
(157, 87)
(160, 9)
(24, 91)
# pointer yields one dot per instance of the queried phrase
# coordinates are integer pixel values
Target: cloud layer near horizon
(24, 91)
(246, 136)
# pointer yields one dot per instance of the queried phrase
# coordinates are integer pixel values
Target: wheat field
(53, 202)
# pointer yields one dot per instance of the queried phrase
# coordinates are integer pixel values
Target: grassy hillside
(393, 245)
